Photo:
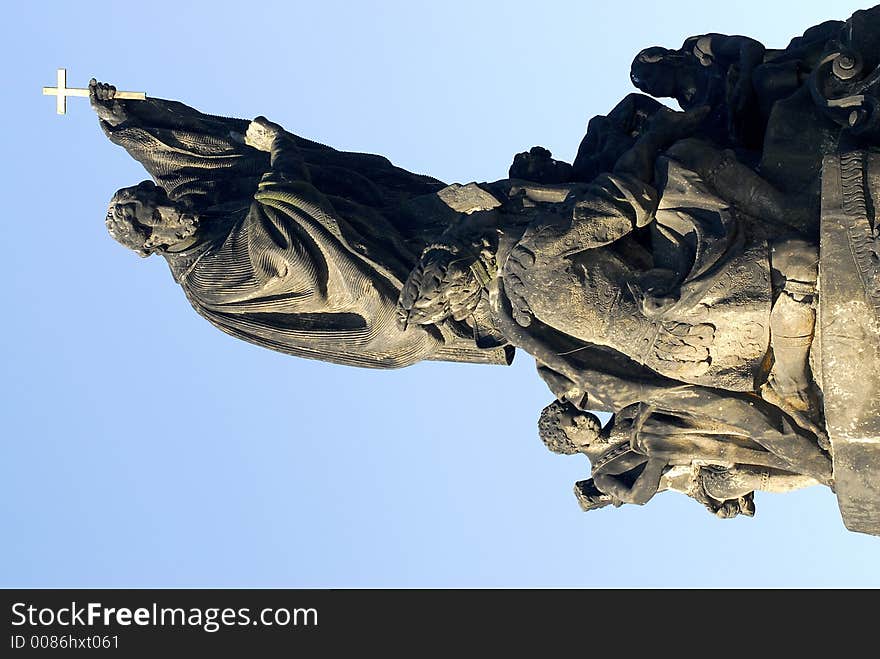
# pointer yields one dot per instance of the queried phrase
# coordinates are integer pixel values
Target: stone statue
(277, 240)
(637, 455)
(710, 276)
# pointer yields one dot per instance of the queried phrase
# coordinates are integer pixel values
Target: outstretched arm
(643, 488)
(156, 113)
(193, 156)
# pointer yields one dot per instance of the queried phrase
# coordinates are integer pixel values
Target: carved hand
(515, 269)
(102, 98)
(442, 285)
(261, 133)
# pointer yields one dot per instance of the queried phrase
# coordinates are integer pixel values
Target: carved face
(143, 219)
(653, 72)
(565, 429)
(581, 429)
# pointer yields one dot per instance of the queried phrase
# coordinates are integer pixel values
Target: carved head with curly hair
(566, 430)
(145, 220)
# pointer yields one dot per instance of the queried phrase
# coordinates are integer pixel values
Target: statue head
(654, 71)
(145, 220)
(566, 430)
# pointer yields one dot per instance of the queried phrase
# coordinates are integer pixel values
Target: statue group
(710, 277)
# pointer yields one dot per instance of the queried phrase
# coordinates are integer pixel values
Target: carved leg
(792, 324)
(663, 129)
(742, 187)
(733, 483)
(755, 419)
(791, 333)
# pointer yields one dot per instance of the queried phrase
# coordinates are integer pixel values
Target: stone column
(847, 349)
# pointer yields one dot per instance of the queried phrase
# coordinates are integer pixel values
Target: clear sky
(143, 447)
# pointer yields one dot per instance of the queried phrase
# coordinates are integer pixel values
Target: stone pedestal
(848, 332)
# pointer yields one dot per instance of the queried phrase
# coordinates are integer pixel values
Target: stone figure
(710, 277)
(274, 239)
(636, 455)
(668, 276)
(714, 70)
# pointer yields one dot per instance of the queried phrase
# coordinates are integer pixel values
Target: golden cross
(61, 91)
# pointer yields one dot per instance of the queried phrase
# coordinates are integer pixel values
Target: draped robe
(308, 261)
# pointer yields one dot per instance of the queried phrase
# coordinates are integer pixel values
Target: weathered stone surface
(670, 275)
(849, 331)
(467, 198)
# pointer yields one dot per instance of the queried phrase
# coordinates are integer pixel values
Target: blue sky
(143, 447)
